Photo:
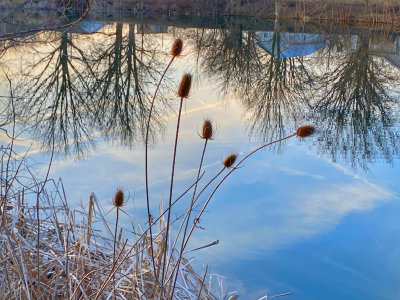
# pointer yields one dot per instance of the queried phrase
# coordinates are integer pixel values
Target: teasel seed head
(208, 131)
(119, 198)
(230, 160)
(177, 47)
(305, 130)
(184, 87)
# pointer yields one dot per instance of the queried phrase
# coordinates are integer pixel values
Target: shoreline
(350, 11)
(28, 21)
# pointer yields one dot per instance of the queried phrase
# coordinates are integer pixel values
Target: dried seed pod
(230, 160)
(119, 198)
(185, 85)
(304, 131)
(177, 47)
(207, 132)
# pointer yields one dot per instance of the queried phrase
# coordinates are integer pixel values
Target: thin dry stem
(146, 164)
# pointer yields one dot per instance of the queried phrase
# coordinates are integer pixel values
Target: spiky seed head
(207, 132)
(184, 87)
(119, 198)
(177, 47)
(305, 130)
(230, 160)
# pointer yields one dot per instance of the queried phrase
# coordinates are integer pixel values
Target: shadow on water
(99, 84)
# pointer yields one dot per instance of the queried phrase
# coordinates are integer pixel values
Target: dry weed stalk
(183, 92)
(176, 51)
(119, 201)
(76, 249)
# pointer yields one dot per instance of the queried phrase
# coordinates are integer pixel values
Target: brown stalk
(189, 213)
(146, 165)
(202, 283)
(171, 188)
(112, 272)
(38, 218)
(115, 243)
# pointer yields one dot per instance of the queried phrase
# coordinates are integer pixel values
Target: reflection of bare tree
(277, 91)
(58, 99)
(355, 108)
(359, 82)
(270, 86)
(4, 46)
(126, 74)
(352, 99)
(75, 90)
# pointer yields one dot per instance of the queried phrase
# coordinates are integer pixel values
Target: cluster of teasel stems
(161, 277)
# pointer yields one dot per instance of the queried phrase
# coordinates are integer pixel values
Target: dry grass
(75, 256)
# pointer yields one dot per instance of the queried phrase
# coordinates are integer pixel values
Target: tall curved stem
(146, 166)
(170, 190)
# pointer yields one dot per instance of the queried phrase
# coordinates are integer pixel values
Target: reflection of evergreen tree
(126, 72)
(354, 106)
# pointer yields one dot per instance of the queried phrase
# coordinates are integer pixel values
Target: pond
(317, 217)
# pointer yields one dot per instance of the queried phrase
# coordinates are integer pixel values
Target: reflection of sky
(291, 44)
(286, 222)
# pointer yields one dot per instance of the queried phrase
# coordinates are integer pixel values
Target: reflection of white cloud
(360, 178)
(337, 264)
(290, 171)
(326, 207)
(263, 228)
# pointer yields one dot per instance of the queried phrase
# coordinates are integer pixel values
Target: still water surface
(318, 217)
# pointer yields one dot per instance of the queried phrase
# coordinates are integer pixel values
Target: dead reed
(176, 51)
(183, 92)
(78, 253)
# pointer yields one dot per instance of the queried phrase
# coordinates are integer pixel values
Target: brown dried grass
(76, 249)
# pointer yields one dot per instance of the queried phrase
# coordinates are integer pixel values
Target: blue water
(318, 217)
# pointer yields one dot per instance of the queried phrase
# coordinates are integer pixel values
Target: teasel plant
(166, 269)
(118, 202)
(73, 260)
(228, 164)
(175, 52)
(170, 275)
(183, 92)
(207, 134)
